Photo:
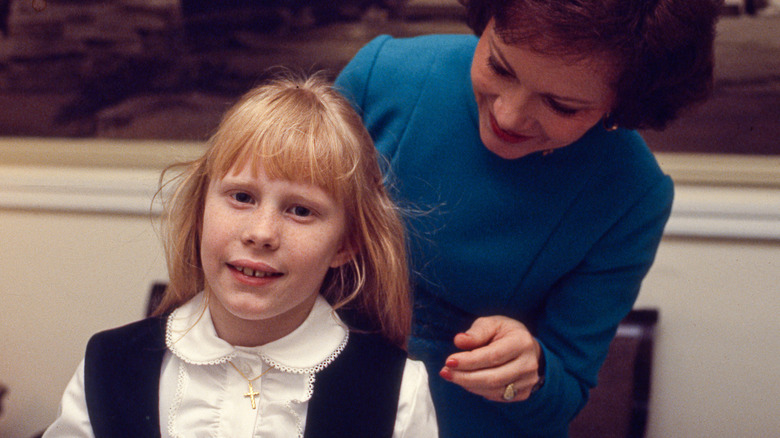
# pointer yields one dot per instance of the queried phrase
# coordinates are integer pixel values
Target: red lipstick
(506, 136)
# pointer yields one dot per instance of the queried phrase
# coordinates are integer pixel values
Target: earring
(609, 124)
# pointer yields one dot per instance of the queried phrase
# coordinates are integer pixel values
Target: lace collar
(190, 335)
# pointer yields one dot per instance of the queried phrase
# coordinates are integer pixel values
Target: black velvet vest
(355, 396)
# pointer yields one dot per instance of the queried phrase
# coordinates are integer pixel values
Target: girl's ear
(344, 255)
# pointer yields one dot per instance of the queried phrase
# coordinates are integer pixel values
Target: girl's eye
(300, 211)
(242, 197)
(498, 69)
(561, 109)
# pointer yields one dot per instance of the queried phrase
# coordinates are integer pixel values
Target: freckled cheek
(209, 241)
(216, 233)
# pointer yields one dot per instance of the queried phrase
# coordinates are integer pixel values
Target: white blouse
(202, 395)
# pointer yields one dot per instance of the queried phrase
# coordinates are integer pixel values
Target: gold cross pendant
(252, 394)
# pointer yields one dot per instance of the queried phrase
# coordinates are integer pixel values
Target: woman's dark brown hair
(662, 50)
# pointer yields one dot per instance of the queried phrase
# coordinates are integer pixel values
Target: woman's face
(530, 102)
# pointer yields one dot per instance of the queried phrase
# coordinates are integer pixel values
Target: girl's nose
(262, 230)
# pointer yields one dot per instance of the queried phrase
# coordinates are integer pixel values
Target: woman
(543, 208)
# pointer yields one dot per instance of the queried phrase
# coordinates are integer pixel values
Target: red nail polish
(445, 373)
(452, 363)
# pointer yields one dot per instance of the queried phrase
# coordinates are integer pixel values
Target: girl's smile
(266, 247)
(252, 273)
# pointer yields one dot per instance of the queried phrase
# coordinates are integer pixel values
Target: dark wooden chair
(155, 295)
(618, 406)
(3, 391)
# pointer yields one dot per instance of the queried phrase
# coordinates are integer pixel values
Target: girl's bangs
(289, 141)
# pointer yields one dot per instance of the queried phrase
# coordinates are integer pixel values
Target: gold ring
(509, 392)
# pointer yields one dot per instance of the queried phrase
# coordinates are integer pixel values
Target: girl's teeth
(252, 273)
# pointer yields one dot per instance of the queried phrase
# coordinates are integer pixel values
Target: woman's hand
(499, 351)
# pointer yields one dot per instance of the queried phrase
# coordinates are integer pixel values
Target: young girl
(284, 219)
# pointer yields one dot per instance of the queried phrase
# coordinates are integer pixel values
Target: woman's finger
(492, 384)
(490, 342)
(495, 354)
(501, 351)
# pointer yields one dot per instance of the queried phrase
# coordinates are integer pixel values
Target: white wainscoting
(715, 196)
(86, 176)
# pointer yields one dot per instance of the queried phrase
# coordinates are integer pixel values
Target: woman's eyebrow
(566, 99)
(496, 52)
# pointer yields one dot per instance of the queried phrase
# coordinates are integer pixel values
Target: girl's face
(531, 102)
(266, 246)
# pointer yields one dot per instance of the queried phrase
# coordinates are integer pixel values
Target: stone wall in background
(57, 45)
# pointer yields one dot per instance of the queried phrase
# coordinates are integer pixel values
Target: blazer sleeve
(580, 318)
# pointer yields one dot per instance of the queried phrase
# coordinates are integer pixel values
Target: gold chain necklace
(252, 393)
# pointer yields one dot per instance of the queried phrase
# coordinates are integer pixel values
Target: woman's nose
(263, 229)
(513, 110)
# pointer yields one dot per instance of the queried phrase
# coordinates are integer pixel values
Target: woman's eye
(498, 69)
(242, 197)
(561, 109)
(300, 211)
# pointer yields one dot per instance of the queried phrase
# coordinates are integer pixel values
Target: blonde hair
(300, 129)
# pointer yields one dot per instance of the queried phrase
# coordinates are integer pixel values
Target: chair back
(155, 296)
(617, 407)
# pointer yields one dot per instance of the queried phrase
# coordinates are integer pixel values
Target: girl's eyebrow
(298, 192)
(231, 180)
(234, 177)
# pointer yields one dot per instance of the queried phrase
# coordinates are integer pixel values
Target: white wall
(64, 276)
(78, 252)
(717, 367)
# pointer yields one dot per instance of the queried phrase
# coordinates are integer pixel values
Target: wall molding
(715, 196)
(722, 169)
(743, 212)
(79, 190)
(112, 176)
(724, 196)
